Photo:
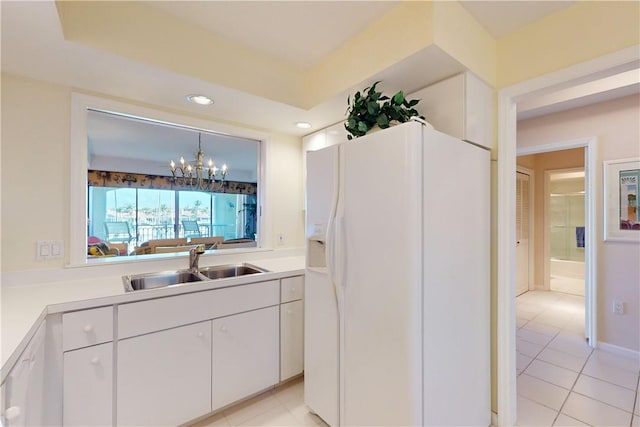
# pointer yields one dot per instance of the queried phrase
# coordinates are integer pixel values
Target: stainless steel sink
(158, 280)
(163, 279)
(232, 270)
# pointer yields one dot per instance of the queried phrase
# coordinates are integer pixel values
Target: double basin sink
(162, 279)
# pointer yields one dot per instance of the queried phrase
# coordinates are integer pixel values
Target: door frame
(547, 223)
(532, 209)
(505, 269)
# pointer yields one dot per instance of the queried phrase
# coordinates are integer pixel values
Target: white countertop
(24, 306)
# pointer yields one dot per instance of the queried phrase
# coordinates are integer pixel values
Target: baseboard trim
(494, 419)
(621, 351)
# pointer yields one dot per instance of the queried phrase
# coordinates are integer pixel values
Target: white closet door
(522, 231)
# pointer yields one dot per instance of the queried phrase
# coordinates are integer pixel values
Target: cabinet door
(245, 355)
(164, 378)
(88, 386)
(291, 339)
(23, 389)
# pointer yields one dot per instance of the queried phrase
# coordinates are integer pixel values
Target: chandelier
(194, 176)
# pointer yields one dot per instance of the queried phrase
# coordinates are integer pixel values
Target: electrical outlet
(618, 307)
(280, 239)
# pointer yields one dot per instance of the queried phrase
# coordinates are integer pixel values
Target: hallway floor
(561, 380)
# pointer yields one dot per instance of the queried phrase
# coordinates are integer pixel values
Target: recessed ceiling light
(303, 125)
(200, 99)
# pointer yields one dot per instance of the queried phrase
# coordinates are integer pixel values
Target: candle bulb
(224, 170)
(173, 166)
(182, 161)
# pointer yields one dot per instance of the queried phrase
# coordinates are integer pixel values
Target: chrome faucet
(194, 255)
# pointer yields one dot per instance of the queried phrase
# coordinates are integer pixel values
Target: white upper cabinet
(461, 106)
(326, 137)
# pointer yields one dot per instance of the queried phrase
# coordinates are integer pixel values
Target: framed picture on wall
(621, 204)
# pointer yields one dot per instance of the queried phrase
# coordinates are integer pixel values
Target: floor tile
(603, 391)
(290, 391)
(551, 373)
(521, 321)
(570, 343)
(534, 337)
(566, 421)
(564, 360)
(636, 409)
(593, 412)
(542, 392)
(218, 420)
(302, 414)
(636, 421)
(542, 328)
(553, 318)
(277, 416)
(242, 412)
(528, 348)
(531, 413)
(595, 367)
(608, 358)
(522, 362)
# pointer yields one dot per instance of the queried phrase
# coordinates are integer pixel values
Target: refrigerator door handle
(342, 253)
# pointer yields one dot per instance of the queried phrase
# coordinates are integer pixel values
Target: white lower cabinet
(23, 389)
(164, 378)
(87, 391)
(245, 355)
(291, 339)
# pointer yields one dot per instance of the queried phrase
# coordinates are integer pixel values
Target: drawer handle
(293, 290)
(223, 328)
(200, 334)
(88, 328)
(12, 413)
(289, 311)
(95, 360)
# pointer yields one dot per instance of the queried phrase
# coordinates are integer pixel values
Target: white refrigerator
(397, 280)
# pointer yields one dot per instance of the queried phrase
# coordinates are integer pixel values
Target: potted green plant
(371, 108)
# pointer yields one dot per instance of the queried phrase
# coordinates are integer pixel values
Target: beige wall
(36, 204)
(616, 125)
(539, 163)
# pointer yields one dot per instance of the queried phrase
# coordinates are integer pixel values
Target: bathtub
(570, 269)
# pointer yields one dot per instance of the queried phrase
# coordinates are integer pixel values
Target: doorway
(564, 226)
(508, 98)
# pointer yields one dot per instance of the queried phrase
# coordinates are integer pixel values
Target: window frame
(78, 199)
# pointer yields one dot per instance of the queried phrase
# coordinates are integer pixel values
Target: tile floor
(283, 406)
(561, 380)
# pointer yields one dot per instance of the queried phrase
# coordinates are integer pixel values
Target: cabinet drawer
(87, 327)
(154, 315)
(291, 288)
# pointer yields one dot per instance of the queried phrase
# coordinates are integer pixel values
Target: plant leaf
(363, 127)
(382, 121)
(373, 107)
(398, 98)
